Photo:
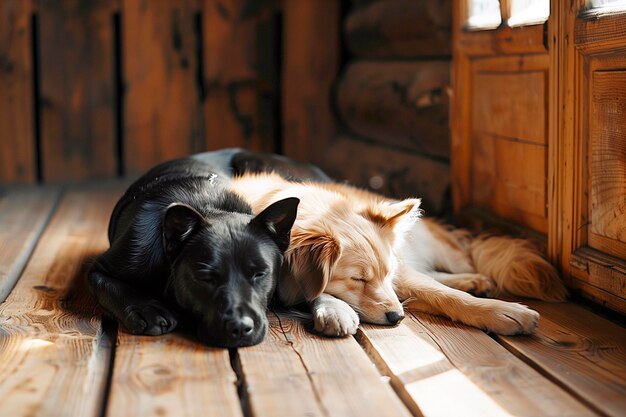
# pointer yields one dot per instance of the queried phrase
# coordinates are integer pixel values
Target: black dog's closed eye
(259, 276)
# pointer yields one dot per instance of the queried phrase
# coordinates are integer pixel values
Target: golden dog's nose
(394, 317)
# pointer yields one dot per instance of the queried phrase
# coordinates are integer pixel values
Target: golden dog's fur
(357, 252)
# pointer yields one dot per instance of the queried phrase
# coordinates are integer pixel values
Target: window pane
(526, 12)
(484, 14)
(609, 5)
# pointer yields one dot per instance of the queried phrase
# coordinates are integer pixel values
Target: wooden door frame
(568, 146)
(466, 44)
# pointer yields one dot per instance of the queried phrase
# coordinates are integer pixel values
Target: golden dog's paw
(478, 285)
(511, 319)
(335, 319)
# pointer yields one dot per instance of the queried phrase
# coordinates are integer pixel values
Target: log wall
(392, 100)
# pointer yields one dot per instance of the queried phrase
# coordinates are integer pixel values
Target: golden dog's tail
(517, 267)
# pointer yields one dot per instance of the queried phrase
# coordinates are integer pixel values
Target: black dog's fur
(183, 248)
(237, 161)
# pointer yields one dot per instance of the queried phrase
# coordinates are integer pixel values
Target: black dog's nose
(240, 327)
(394, 317)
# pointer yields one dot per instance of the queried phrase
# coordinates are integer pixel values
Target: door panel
(607, 135)
(511, 105)
(590, 167)
(499, 115)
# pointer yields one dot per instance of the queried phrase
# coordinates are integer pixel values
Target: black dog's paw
(149, 319)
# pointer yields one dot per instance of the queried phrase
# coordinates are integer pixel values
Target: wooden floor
(59, 358)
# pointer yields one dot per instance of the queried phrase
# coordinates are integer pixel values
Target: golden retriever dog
(356, 255)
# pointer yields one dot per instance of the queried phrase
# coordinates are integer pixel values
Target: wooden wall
(106, 88)
(392, 100)
(100, 88)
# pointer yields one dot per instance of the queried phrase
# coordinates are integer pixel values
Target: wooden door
(499, 111)
(588, 231)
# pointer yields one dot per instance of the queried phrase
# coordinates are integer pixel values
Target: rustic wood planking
(162, 110)
(440, 368)
(579, 350)
(398, 103)
(54, 355)
(171, 376)
(77, 92)
(24, 213)
(296, 373)
(399, 29)
(309, 70)
(240, 73)
(17, 117)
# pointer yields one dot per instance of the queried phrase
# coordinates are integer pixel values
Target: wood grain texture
(494, 71)
(310, 66)
(502, 41)
(460, 114)
(171, 376)
(608, 157)
(162, 111)
(24, 213)
(555, 152)
(580, 351)
(396, 174)
(77, 92)
(604, 277)
(567, 146)
(404, 104)
(511, 104)
(596, 31)
(53, 352)
(17, 109)
(590, 49)
(240, 73)
(428, 358)
(509, 179)
(399, 29)
(597, 295)
(295, 373)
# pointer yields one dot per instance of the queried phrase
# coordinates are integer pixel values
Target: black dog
(238, 161)
(184, 248)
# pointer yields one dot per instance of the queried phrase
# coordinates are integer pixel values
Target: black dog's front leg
(139, 313)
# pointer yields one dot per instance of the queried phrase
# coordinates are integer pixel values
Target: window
(489, 14)
(608, 5)
(528, 12)
(484, 14)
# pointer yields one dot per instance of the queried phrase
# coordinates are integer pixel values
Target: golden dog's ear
(390, 215)
(311, 257)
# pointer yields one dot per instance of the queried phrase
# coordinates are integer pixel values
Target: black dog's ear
(278, 219)
(179, 223)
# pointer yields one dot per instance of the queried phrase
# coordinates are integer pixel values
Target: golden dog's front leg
(432, 297)
(333, 317)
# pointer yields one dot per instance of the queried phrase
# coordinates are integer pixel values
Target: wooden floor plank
(24, 212)
(171, 376)
(441, 368)
(295, 373)
(53, 352)
(581, 351)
